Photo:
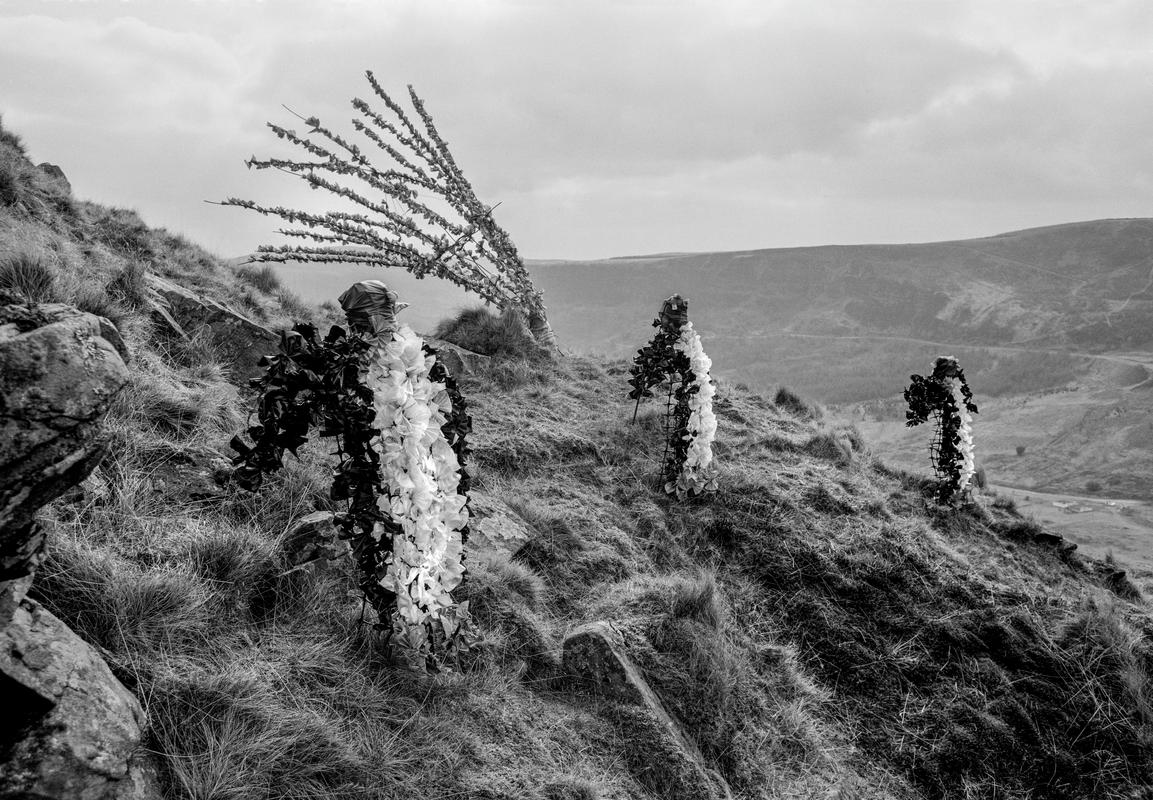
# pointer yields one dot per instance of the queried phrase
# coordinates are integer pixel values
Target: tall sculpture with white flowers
(944, 394)
(676, 359)
(401, 426)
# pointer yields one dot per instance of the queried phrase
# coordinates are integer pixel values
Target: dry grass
(817, 628)
(503, 336)
(30, 275)
(261, 277)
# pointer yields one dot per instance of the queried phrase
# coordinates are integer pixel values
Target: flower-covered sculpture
(400, 425)
(945, 394)
(675, 357)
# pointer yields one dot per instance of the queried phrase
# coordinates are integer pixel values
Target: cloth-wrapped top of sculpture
(371, 306)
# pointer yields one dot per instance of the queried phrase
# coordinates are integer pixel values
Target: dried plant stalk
(420, 214)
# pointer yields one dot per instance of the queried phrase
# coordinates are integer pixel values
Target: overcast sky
(612, 128)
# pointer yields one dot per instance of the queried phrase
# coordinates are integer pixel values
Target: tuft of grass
(295, 307)
(697, 599)
(119, 606)
(123, 231)
(262, 277)
(29, 275)
(504, 335)
(11, 139)
(95, 300)
(9, 182)
(791, 402)
(129, 286)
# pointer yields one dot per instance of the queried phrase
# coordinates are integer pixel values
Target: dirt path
(1117, 359)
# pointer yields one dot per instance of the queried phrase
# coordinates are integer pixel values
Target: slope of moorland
(818, 628)
(1054, 327)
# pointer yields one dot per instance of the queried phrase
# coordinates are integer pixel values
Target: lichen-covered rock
(493, 526)
(59, 370)
(70, 729)
(240, 342)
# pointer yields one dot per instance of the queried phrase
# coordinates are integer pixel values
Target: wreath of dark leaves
(314, 383)
(930, 396)
(655, 363)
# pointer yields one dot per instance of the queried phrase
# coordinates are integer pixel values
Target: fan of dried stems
(419, 214)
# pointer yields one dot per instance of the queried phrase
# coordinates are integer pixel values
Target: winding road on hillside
(1135, 359)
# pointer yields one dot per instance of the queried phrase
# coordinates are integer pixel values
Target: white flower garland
(964, 435)
(698, 474)
(420, 474)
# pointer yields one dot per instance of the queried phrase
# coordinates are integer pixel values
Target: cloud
(606, 127)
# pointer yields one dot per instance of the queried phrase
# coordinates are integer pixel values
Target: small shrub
(261, 277)
(294, 306)
(129, 286)
(1092, 486)
(30, 276)
(124, 231)
(504, 335)
(94, 300)
(10, 139)
(9, 183)
(1020, 450)
(789, 401)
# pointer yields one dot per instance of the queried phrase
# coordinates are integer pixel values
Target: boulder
(313, 540)
(595, 660)
(57, 176)
(70, 729)
(457, 360)
(493, 527)
(240, 342)
(59, 370)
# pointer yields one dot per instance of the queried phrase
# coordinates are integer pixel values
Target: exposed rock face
(456, 359)
(59, 370)
(70, 730)
(314, 541)
(240, 341)
(493, 526)
(595, 659)
(57, 175)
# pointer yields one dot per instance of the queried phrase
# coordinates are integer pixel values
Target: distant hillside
(843, 322)
(1054, 326)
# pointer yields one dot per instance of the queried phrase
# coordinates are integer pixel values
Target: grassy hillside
(1054, 327)
(818, 628)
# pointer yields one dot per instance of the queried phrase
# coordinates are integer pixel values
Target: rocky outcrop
(56, 176)
(70, 729)
(59, 370)
(457, 360)
(493, 526)
(240, 342)
(313, 541)
(595, 660)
